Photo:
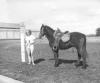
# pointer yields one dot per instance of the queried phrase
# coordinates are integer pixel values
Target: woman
(29, 44)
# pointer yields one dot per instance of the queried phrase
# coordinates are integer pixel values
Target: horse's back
(77, 35)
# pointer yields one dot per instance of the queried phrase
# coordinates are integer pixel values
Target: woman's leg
(32, 49)
(28, 54)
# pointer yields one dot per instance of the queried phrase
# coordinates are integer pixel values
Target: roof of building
(9, 26)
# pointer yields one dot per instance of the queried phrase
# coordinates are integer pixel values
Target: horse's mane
(49, 27)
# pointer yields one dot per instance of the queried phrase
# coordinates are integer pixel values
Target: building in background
(98, 31)
(12, 31)
(9, 31)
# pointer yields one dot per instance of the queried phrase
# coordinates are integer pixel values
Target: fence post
(22, 34)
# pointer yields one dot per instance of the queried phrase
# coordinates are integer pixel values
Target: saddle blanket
(65, 37)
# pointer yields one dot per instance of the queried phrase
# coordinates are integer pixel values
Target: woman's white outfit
(29, 40)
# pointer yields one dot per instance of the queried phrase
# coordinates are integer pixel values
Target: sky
(73, 15)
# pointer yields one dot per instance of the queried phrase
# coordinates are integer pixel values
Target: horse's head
(42, 32)
(46, 31)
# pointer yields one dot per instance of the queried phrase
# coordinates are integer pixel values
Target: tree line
(98, 31)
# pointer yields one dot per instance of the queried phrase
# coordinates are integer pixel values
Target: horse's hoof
(84, 66)
(56, 65)
(77, 65)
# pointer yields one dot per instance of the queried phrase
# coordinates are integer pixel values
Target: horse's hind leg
(80, 52)
(84, 56)
(78, 63)
(83, 53)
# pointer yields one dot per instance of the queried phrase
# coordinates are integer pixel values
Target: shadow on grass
(39, 60)
(65, 61)
(61, 61)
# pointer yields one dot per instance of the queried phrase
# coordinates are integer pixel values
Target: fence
(9, 33)
(14, 31)
(93, 39)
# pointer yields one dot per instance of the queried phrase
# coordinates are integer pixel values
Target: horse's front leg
(56, 55)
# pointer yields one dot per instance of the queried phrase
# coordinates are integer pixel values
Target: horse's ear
(42, 24)
(58, 30)
(66, 32)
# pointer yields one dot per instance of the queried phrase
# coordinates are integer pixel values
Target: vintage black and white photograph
(49, 41)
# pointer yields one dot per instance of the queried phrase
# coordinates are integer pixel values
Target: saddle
(64, 36)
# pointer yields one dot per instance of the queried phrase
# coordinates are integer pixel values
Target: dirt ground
(44, 70)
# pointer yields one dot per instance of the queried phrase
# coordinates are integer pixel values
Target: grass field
(44, 70)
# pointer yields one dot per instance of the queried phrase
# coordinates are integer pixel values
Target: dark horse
(77, 40)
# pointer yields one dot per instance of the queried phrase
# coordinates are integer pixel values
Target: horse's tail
(83, 43)
(85, 54)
